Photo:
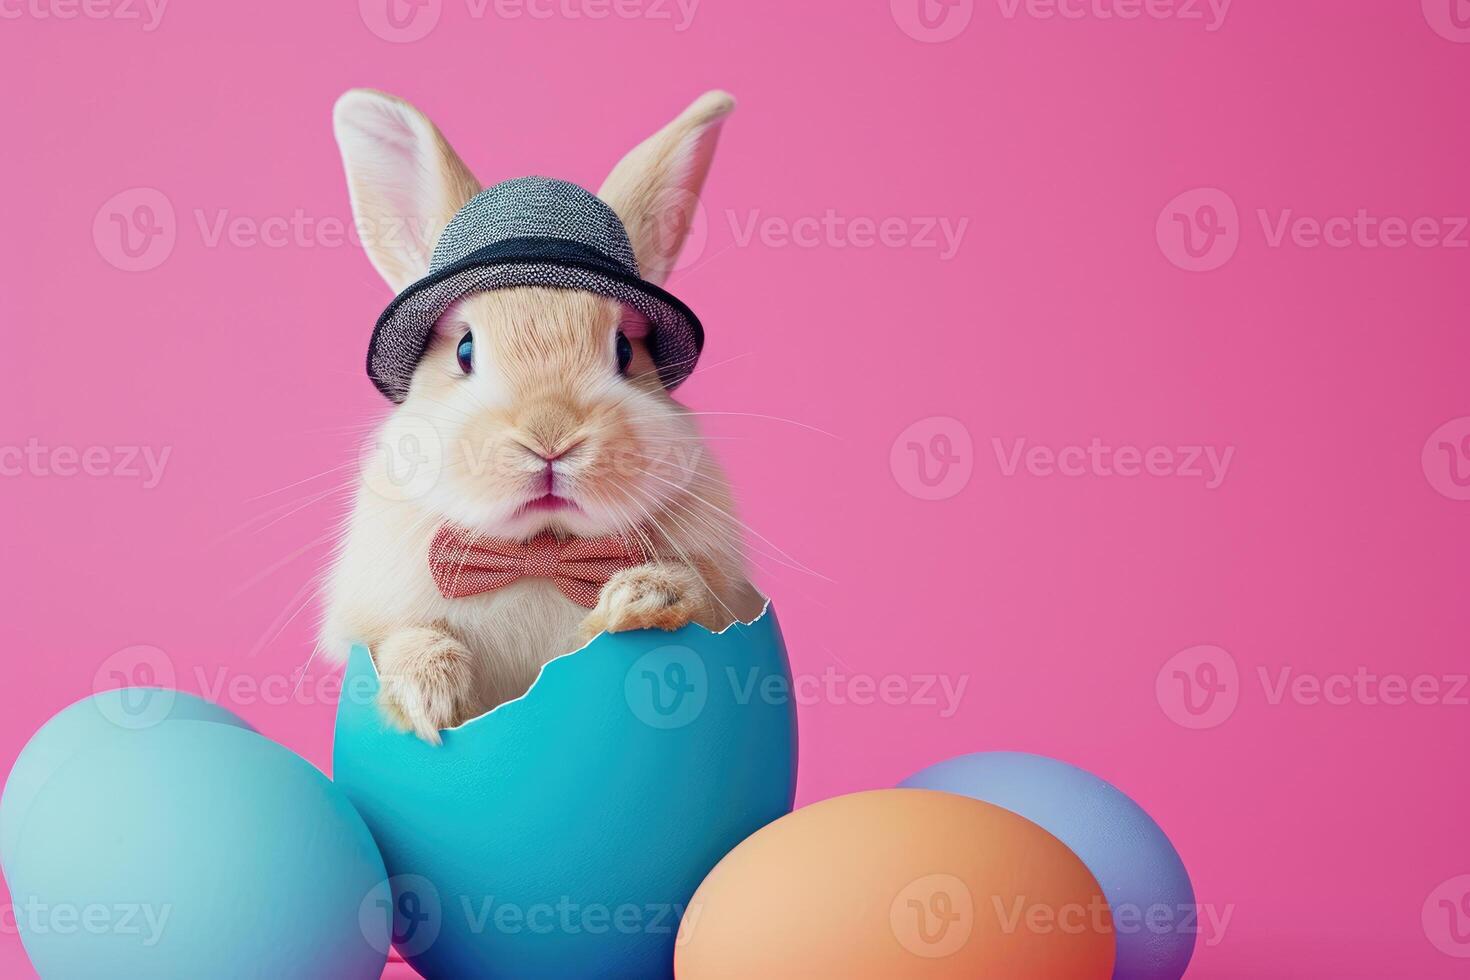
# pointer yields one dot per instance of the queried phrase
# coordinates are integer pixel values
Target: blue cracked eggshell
(563, 834)
(194, 849)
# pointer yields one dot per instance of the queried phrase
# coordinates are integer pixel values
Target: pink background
(1336, 540)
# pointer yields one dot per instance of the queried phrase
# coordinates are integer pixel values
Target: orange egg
(898, 883)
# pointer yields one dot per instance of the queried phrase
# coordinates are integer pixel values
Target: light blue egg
(562, 834)
(191, 850)
(1142, 876)
(109, 715)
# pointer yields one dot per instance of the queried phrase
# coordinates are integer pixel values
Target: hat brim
(402, 334)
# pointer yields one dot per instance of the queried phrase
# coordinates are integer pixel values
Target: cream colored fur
(544, 382)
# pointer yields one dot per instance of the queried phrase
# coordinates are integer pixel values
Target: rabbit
(549, 409)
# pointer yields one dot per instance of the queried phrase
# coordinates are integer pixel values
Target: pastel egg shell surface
(898, 884)
(194, 850)
(98, 718)
(1141, 873)
(563, 833)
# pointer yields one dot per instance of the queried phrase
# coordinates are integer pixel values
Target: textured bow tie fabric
(464, 563)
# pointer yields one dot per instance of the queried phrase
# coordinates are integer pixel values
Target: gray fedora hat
(532, 231)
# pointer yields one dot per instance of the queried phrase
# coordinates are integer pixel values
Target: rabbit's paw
(428, 682)
(662, 595)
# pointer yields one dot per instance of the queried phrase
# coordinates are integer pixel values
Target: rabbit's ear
(404, 180)
(655, 188)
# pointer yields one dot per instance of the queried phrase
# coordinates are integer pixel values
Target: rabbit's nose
(552, 453)
(549, 427)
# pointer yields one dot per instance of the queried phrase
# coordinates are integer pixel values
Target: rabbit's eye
(625, 352)
(466, 353)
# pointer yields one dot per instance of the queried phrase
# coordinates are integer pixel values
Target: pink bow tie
(464, 563)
